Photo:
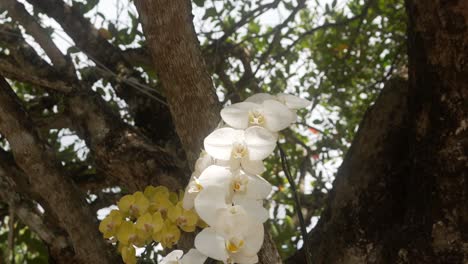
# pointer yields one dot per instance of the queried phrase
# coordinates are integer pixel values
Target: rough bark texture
(65, 203)
(400, 195)
(14, 185)
(179, 63)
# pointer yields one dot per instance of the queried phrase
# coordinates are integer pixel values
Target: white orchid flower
(211, 201)
(203, 162)
(242, 148)
(270, 114)
(173, 257)
(222, 188)
(191, 192)
(291, 101)
(192, 257)
(234, 239)
(193, 187)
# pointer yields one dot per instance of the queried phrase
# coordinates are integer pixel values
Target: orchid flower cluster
(153, 215)
(225, 194)
(226, 190)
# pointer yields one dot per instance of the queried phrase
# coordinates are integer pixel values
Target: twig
(287, 172)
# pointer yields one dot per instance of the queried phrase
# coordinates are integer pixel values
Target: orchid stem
(297, 202)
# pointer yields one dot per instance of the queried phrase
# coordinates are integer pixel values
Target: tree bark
(400, 194)
(14, 185)
(49, 183)
(178, 61)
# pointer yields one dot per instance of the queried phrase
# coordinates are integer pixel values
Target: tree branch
(15, 72)
(120, 151)
(277, 36)
(326, 26)
(17, 11)
(148, 113)
(26, 210)
(44, 173)
(246, 18)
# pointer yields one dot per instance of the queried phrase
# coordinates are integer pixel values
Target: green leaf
(90, 4)
(199, 3)
(210, 12)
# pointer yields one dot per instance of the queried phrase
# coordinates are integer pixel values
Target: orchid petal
(215, 176)
(188, 200)
(203, 162)
(243, 259)
(261, 187)
(277, 115)
(260, 142)
(260, 98)
(193, 257)
(209, 243)
(219, 143)
(293, 101)
(172, 257)
(208, 202)
(253, 166)
(232, 221)
(237, 115)
(253, 240)
(253, 208)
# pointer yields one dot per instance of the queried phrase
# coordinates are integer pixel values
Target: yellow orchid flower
(148, 223)
(168, 236)
(159, 198)
(186, 219)
(110, 224)
(128, 234)
(173, 197)
(128, 254)
(134, 205)
(151, 192)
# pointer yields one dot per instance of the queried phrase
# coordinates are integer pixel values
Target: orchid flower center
(239, 183)
(110, 226)
(181, 221)
(163, 211)
(256, 118)
(148, 227)
(234, 244)
(133, 210)
(239, 151)
(233, 209)
(195, 187)
(132, 238)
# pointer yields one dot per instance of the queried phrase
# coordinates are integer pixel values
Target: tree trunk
(181, 68)
(400, 194)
